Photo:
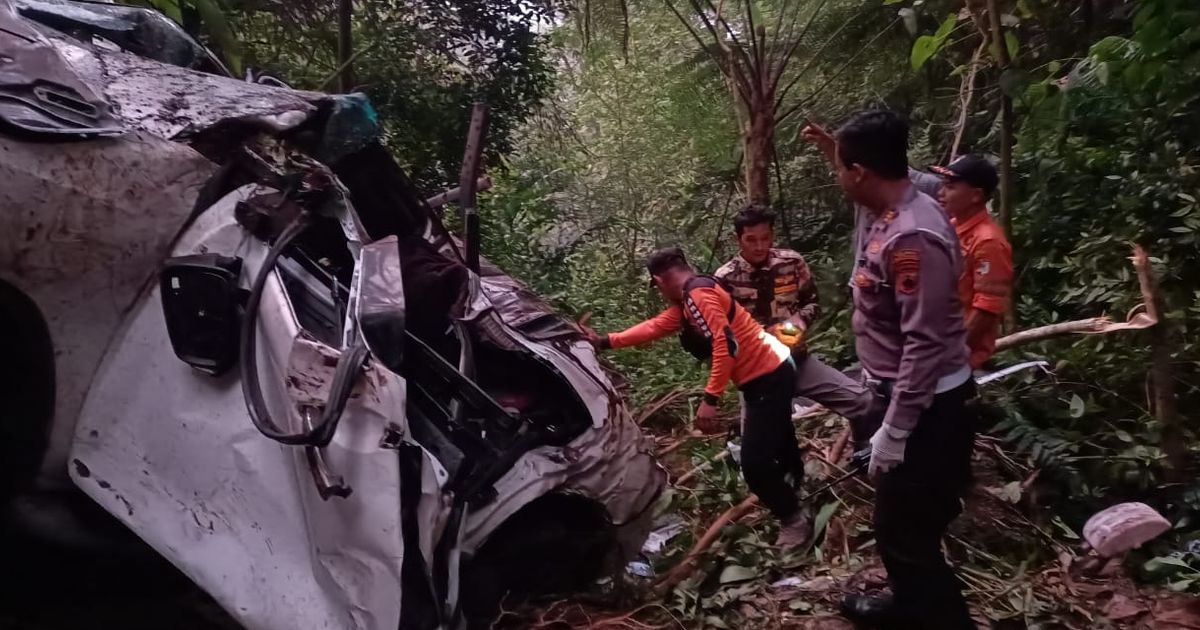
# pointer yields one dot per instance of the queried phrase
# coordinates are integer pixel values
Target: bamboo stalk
(685, 567)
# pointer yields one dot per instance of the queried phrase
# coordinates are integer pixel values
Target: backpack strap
(708, 282)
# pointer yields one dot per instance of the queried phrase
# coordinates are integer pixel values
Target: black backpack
(696, 341)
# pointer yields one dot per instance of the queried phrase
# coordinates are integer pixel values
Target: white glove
(887, 449)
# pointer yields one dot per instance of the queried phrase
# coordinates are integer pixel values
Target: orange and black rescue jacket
(740, 349)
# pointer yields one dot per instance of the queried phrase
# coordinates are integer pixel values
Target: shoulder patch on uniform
(906, 266)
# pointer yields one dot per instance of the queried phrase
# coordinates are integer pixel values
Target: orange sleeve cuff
(991, 303)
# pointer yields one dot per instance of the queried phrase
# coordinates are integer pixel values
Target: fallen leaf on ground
(1121, 608)
(1177, 613)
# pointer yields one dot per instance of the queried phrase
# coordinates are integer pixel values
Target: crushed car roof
(53, 83)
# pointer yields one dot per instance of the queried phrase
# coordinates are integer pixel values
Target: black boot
(871, 610)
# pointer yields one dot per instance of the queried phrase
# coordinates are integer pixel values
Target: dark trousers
(770, 451)
(914, 505)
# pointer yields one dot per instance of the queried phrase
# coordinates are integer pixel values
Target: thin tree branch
(795, 45)
(812, 59)
(728, 66)
(808, 100)
(780, 19)
(967, 96)
(720, 20)
(755, 44)
(694, 33)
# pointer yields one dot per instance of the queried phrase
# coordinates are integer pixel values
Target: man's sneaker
(796, 530)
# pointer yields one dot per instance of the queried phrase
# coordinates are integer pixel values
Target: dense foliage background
(614, 132)
(637, 147)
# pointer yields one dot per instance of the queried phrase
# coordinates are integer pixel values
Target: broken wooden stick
(663, 401)
(1098, 325)
(1162, 379)
(681, 442)
(691, 474)
(453, 195)
(686, 566)
(839, 446)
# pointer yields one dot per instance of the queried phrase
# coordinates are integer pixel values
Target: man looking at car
(713, 325)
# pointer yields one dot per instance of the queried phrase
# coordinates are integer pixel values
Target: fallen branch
(1089, 326)
(1098, 325)
(839, 446)
(453, 195)
(572, 615)
(657, 405)
(684, 441)
(685, 568)
(689, 475)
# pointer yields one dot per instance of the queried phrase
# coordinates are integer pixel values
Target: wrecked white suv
(230, 319)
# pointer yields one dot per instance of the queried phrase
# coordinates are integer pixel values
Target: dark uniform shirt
(775, 291)
(908, 322)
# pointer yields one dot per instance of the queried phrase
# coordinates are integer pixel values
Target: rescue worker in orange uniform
(712, 323)
(985, 286)
(910, 339)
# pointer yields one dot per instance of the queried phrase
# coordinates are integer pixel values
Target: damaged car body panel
(240, 514)
(143, 32)
(39, 94)
(245, 380)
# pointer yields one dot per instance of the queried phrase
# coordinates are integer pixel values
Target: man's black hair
(751, 216)
(665, 259)
(877, 140)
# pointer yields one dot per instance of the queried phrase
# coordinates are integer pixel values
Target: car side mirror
(202, 305)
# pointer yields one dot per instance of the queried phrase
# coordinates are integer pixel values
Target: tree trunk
(1000, 50)
(1162, 380)
(345, 45)
(758, 140)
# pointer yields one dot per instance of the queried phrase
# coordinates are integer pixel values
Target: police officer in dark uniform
(910, 339)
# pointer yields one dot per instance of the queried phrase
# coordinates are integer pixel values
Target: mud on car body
(236, 327)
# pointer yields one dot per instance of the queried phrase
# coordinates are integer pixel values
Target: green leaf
(1157, 564)
(945, 28)
(737, 573)
(1180, 586)
(222, 35)
(822, 519)
(1077, 406)
(888, 2)
(1010, 42)
(925, 47)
